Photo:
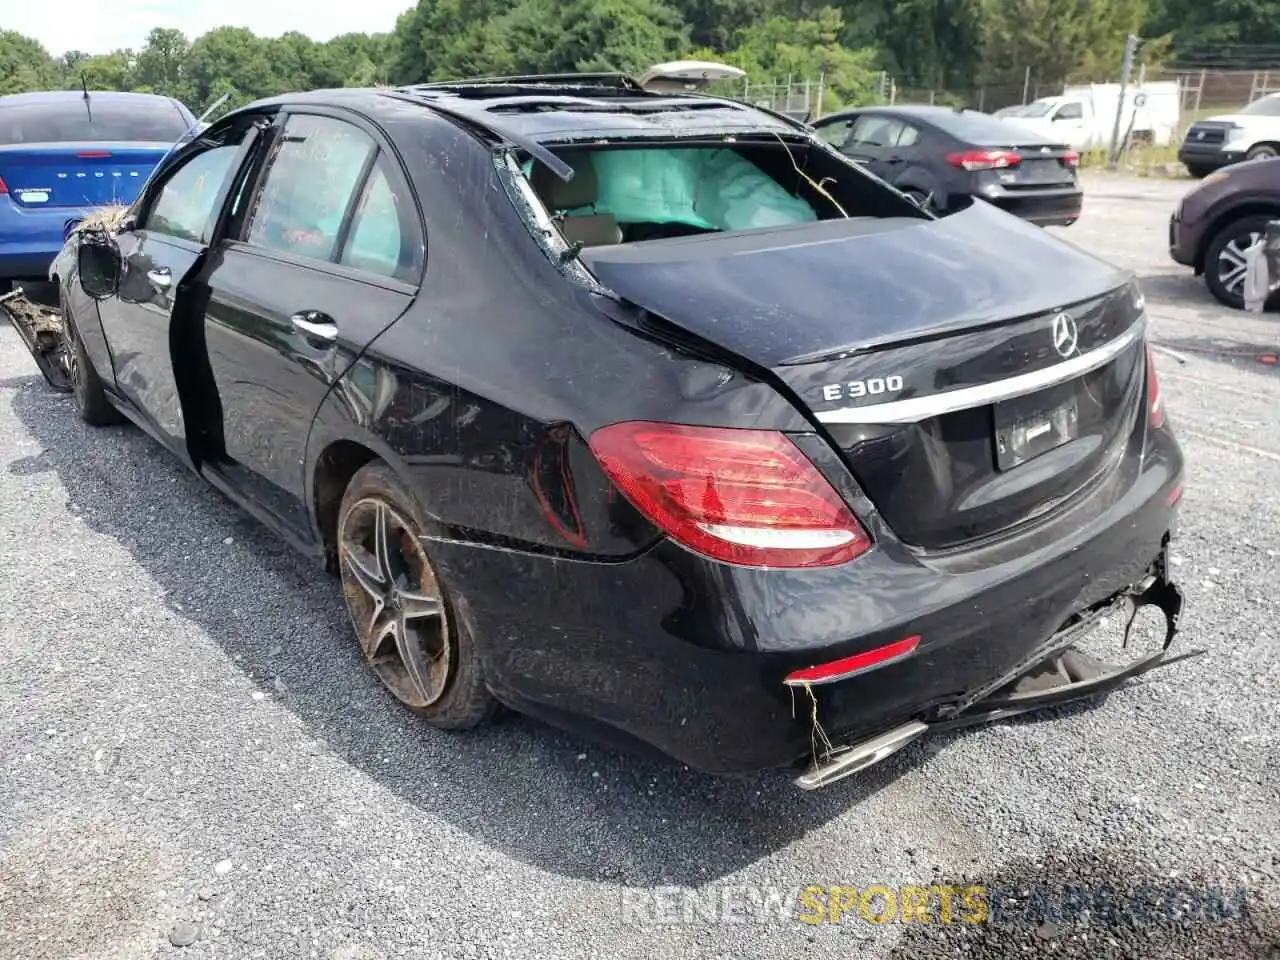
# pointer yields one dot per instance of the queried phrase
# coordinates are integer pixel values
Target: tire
(86, 386)
(1198, 172)
(1226, 249)
(1262, 151)
(406, 624)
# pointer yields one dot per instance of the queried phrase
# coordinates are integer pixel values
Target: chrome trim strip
(859, 757)
(922, 408)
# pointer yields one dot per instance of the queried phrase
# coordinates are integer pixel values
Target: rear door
(873, 143)
(176, 219)
(328, 254)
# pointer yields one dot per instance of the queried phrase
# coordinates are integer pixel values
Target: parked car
(1084, 116)
(1252, 133)
(601, 409)
(945, 158)
(1219, 219)
(66, 152)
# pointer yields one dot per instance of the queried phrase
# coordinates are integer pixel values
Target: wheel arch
(1220, 221)
(333, 459)
(1273, 144)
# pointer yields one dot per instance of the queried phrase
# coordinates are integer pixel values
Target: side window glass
(908, 136)
(875, 131)
(1072, 111)
(835, 133)
(314, 169)
(378, 241)
(185, 202)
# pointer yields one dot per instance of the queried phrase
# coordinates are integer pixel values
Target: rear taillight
(3, 187)
(93, 154)
(1071, 159)
(747, 497)
(984, 159)
(1155, 401)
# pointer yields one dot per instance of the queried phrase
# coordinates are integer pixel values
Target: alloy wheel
(71, 357)
(1232, 263)
(395, 601)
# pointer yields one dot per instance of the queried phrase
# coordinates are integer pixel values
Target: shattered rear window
(654, 192)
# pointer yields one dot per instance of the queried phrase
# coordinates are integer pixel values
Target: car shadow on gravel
(536, 794)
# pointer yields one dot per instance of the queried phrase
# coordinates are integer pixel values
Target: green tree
(24, 64)
(806, 49)
(161, 63)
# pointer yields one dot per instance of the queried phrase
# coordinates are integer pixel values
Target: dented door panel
(137, 322)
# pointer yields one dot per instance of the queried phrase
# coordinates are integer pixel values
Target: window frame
(382, 163)
(177, 161)
(398, 181)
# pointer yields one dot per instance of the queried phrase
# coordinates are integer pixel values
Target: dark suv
(1219, 218)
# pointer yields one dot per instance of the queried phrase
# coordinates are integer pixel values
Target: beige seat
(591, 230)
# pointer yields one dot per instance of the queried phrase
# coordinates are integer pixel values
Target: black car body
(948, 157)
(713, 490)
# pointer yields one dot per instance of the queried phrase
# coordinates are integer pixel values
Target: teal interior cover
(714, 188)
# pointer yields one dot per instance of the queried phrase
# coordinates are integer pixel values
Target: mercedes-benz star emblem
(1065, 334)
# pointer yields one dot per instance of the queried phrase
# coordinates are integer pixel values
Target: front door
(328, 254)
(1069, 125)
(175, 222)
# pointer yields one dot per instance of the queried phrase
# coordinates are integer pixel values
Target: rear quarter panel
(484, 394)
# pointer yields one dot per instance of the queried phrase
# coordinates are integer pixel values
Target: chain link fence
(1202, 91)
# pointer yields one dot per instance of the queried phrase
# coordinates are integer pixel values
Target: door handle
(160, 277)
(315, 325)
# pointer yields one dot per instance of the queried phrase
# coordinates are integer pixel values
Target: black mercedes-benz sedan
(646, 414)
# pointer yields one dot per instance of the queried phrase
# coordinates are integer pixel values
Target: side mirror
(98, 264)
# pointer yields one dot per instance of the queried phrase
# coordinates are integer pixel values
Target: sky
(99, 26)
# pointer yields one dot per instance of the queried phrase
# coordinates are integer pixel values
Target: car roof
(923, 111)
(39, 97)
(560, 108)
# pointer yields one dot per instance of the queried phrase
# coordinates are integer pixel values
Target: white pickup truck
(1252, 133)
(1085, 116)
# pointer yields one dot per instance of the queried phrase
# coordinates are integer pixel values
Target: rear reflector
(748, 497)
(852, 666)
(1174, 495)
(984, 159)
(1155, 399)
(93, 154)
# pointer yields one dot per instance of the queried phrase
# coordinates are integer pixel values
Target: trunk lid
(1035, 166)
(45, 175)
(932, 352)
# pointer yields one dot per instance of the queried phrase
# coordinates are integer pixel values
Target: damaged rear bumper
(1055, 673)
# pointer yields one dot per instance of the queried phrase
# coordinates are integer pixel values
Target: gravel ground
(193, 754)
